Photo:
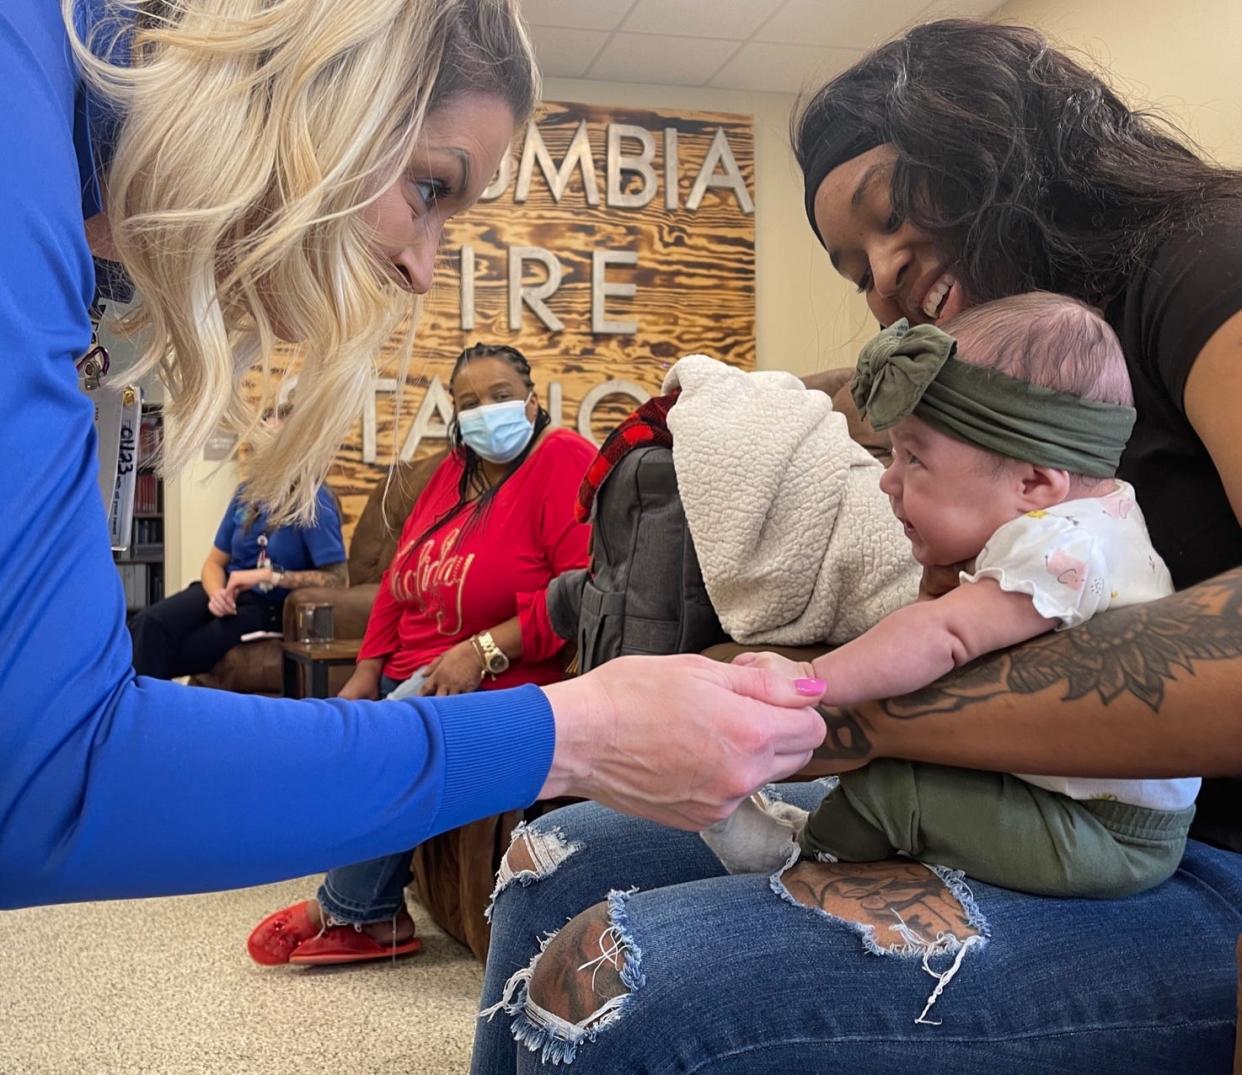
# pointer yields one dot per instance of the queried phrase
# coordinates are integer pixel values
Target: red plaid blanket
(647, 425)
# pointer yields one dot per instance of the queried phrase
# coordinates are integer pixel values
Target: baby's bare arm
(919, 643)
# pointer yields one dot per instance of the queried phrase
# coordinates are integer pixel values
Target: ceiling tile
(958, 9)
(839, 24)
(679, 61)
(578, 14)
(565, 53)
(783, 68)
(736, 19)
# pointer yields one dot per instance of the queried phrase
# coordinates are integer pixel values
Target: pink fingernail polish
(810, 687)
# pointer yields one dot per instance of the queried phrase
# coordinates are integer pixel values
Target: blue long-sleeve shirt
(113, 786)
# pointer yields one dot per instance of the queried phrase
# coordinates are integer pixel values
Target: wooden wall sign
(610, 243)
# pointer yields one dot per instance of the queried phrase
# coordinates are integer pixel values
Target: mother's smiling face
(902, 270)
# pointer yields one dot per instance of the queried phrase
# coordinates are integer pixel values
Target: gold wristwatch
(493, 657)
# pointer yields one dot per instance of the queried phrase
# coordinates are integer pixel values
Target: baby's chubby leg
(758, 837)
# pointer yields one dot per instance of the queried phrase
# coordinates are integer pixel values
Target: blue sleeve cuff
(497, 752)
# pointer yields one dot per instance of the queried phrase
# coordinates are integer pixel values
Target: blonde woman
(270, 170)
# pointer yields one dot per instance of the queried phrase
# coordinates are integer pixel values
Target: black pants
(179, 636)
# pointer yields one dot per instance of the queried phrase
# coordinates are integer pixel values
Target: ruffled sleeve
(1054, 560)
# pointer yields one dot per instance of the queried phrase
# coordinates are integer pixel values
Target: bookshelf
(141, 566)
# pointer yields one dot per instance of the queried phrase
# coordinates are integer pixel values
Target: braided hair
(472, 483)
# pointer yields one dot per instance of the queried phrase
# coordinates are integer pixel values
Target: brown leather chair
(255, 667)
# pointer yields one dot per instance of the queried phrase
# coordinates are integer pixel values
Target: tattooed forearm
(847, 735)
(330, 576)
(1135, 651)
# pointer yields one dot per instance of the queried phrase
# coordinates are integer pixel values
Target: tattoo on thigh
(901, 902)
(571, 980)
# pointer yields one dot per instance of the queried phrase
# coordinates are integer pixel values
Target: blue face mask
(497, 431)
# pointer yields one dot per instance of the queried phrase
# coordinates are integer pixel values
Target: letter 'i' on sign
(533, 296)
(467, 287)
(672, 174)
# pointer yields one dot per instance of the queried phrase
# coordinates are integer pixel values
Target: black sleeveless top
(1164, 316)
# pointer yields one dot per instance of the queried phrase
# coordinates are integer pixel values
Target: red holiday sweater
(475, 573)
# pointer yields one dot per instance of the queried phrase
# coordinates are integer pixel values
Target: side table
(311, 660)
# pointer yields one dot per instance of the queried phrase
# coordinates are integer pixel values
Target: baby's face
(950, 496)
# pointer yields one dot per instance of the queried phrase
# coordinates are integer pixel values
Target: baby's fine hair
(1045, 339)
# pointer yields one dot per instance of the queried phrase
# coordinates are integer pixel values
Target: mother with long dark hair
(960, 163)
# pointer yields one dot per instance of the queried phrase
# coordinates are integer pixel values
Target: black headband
(826, 155)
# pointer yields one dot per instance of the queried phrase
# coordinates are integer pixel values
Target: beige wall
(193, 506)
(1181, 60)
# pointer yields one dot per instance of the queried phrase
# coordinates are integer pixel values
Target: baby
(1007, 428)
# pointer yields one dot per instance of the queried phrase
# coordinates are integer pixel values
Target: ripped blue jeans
(732, 974)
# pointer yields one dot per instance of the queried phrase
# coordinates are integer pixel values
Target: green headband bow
(905, 371)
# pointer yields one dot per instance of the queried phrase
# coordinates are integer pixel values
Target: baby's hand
(783, 666)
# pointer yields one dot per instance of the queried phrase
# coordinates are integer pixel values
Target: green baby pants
(996, 828)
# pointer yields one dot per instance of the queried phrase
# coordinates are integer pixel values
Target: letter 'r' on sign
(533, 295)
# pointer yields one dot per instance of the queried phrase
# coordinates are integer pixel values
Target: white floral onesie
(1075, 559)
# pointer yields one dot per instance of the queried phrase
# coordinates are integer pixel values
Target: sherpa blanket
(796, 542)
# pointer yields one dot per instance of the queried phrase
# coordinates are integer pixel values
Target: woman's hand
(222, 603)
(455, 671)
(363, 685)
(241, 581)
(680, 740)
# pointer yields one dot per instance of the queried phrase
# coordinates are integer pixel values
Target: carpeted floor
(165, 986)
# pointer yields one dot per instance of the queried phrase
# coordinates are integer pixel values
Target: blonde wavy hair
(253, 134)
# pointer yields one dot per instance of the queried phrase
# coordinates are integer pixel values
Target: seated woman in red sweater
(461, 608)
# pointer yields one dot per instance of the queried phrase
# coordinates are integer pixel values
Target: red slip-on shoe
(344, 944)
(274, 939)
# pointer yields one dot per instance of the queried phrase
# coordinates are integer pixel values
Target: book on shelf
(148, 532)
(147, 494)
(135, 579)
(150, 436)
